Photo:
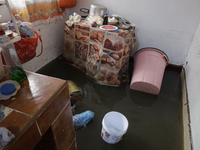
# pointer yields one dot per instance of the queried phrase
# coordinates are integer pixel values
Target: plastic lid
(106, 13)
(8, 89)
(98, 6)
(2, 32)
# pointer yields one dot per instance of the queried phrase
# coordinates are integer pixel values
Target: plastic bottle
(11, 26)
(25, 31)
(105, 20)
(18, 18)
(12, 61)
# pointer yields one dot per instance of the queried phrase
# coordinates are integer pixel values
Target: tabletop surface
(34, 96)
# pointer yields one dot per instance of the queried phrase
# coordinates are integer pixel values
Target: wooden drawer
(53, 110)
(15, 121)
(63, 129)
(28, 140)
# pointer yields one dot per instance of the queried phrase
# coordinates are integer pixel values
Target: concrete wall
(192, 68)
(53, 41)
(169, 25)
(4, 13)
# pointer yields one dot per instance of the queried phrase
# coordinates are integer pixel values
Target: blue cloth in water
(80, 120)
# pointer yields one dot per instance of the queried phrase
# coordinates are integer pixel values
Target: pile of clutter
(25, 28)
(26, 47)
(99, 45)
(97, 17)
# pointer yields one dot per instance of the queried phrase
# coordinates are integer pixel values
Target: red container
(149, 68)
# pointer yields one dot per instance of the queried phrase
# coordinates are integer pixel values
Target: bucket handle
(85, 10)
(165, 58)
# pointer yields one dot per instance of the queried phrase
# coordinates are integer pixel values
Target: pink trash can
(149, 68)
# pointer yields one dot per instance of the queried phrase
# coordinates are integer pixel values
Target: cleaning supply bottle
(12, 61)
(105, 20)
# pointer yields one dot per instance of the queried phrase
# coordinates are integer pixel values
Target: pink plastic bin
(149, 68)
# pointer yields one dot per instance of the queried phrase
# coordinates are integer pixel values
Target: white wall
(4, 13)
(192, 69)
(165, 24)
(53, 42)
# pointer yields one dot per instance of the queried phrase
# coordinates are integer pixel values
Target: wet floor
(155, 122)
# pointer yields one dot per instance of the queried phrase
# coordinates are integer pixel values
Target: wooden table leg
(63, 130)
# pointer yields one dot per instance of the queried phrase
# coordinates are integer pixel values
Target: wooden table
(41, 102)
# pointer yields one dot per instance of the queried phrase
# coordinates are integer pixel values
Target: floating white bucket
(114, 126)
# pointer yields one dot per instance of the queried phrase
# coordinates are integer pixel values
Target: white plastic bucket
(114, 126)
